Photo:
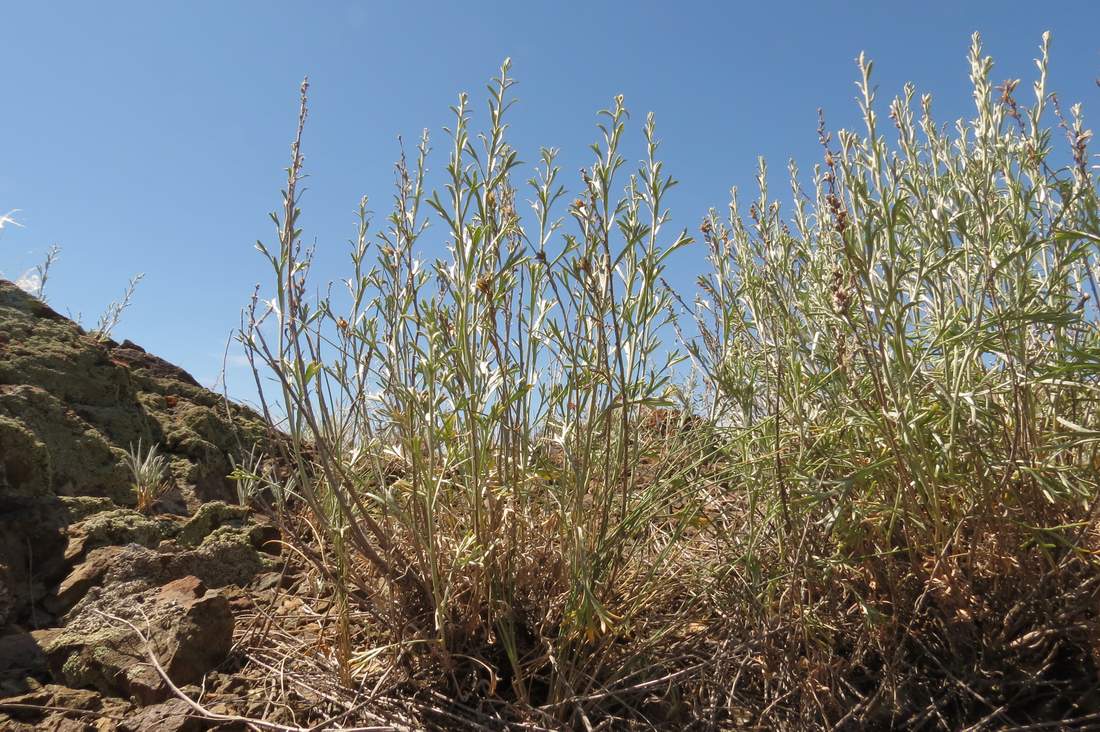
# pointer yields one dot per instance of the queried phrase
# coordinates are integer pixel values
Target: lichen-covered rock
(78, 508)
(188, 629)
(226, 557)
(37, 547)
(24, 460)
(76, 561)
(57, 708)
(124, 526)
(50, 450)
(38, 709)
(209, 517)
(71, 406)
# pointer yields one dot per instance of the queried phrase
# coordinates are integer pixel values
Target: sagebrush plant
(465, 427)
(498, 465)
(37, 281)
(150, 472)
(920, 347)
(111, 316)
(909, 361)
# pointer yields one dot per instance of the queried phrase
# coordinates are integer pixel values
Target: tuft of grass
(877, 507)
(257, 484)
(151, 475)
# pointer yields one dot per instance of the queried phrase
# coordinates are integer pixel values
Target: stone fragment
(174, 715)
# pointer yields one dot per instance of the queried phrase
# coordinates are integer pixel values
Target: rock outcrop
(88, 584)
(72, 404)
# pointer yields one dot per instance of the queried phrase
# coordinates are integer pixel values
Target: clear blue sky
(151, 136)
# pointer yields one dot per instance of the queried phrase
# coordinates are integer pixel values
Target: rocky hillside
(88, 584)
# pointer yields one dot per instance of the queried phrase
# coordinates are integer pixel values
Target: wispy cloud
(30, 282)
(8, 219)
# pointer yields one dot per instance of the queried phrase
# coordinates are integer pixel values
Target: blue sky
(152, 137)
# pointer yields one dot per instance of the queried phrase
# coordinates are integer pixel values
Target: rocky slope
(89, 585)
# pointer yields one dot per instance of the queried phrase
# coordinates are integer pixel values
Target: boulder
(189, 629)
(70, 403)
(227, 557)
